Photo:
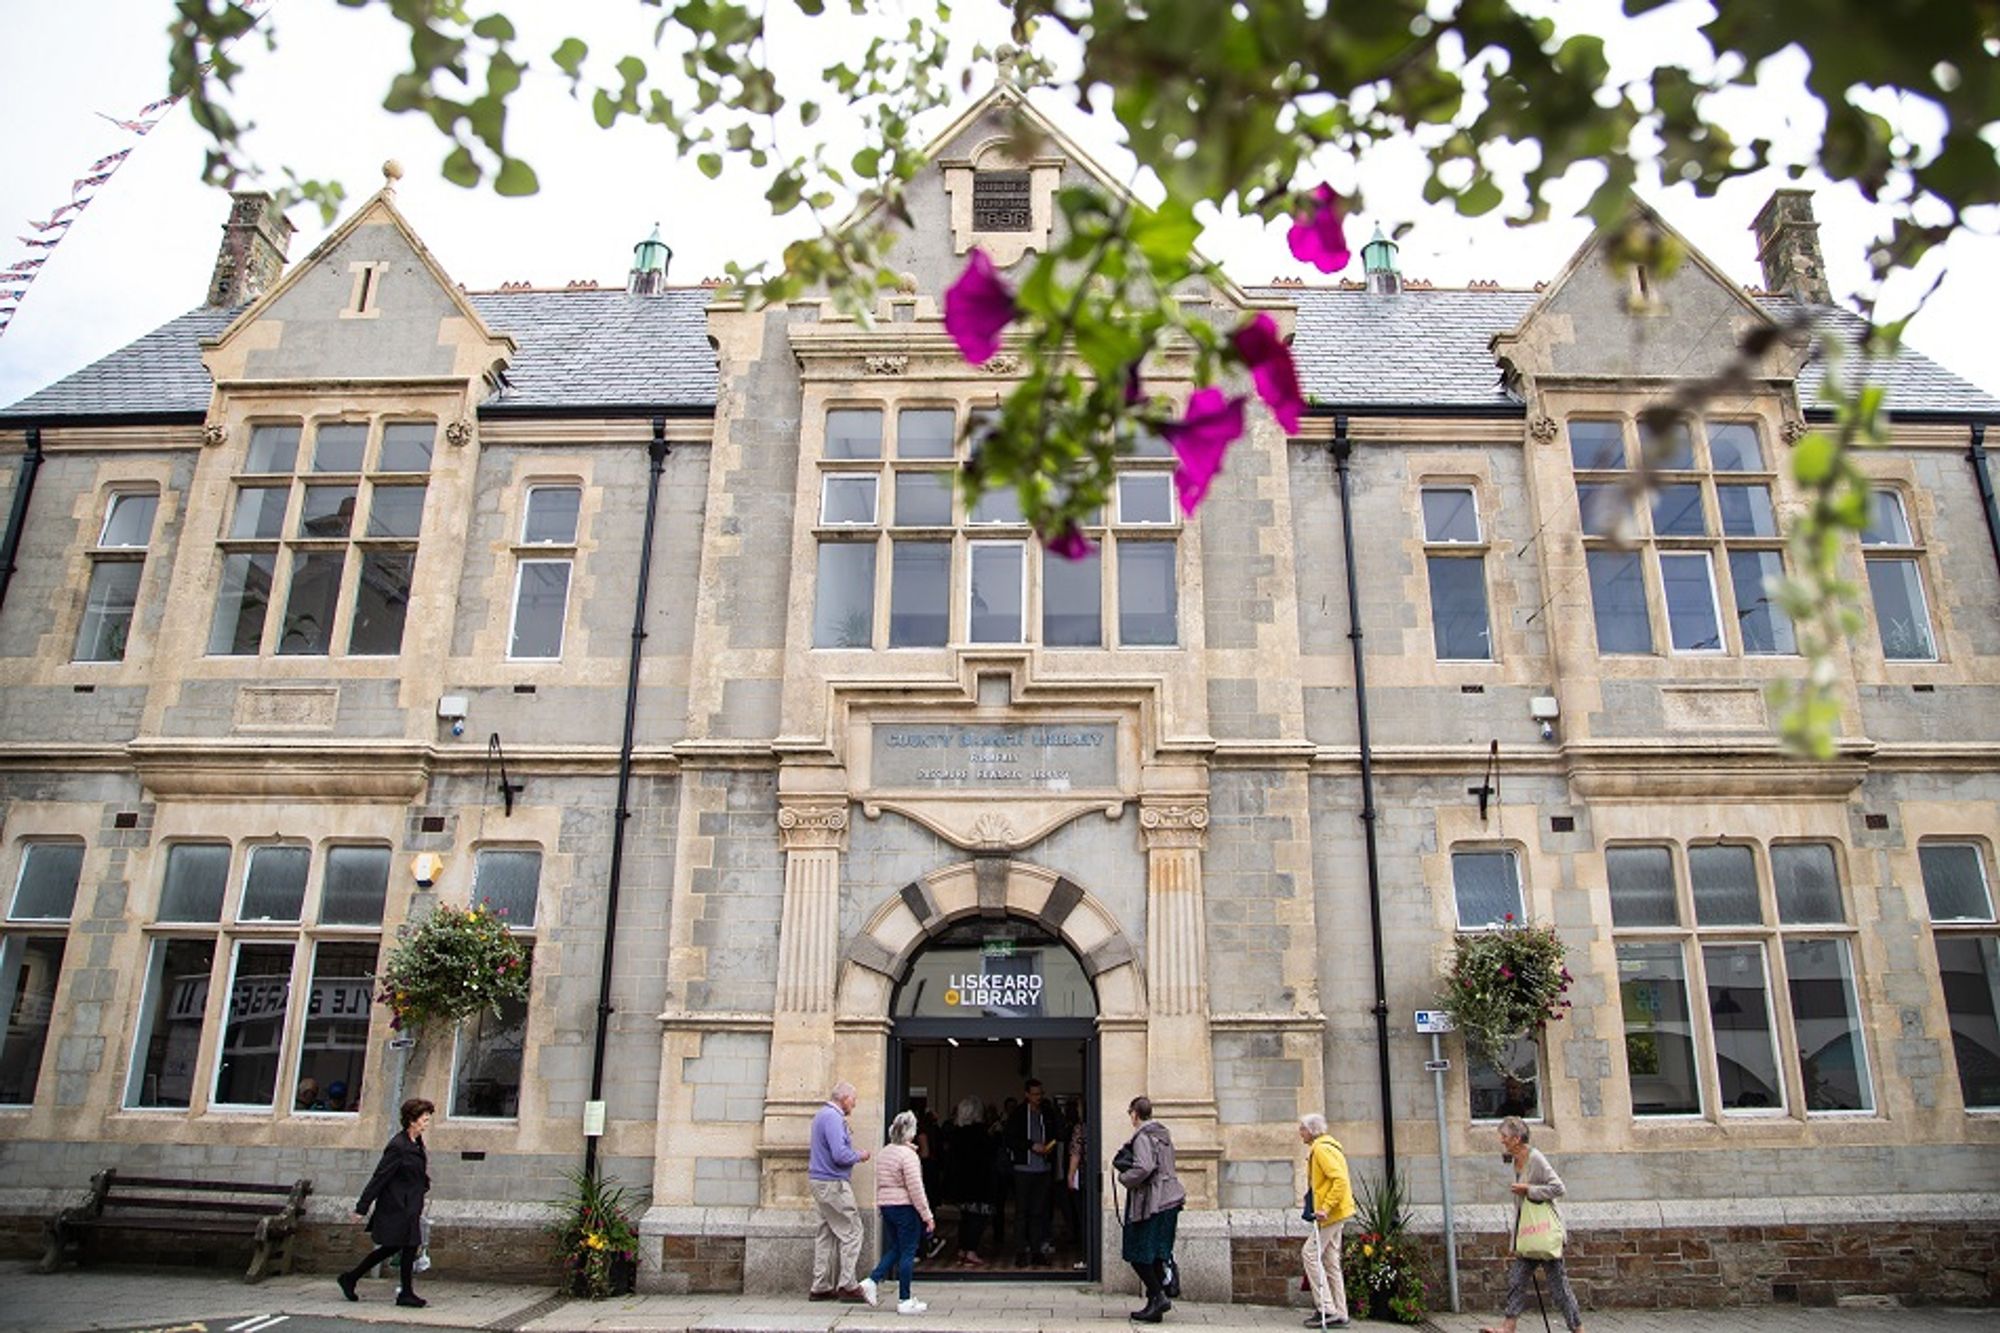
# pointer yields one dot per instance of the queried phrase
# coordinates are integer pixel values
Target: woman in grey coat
(1534, 1180)
(1152, 1206)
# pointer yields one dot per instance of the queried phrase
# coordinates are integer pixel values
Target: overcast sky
(142, 253)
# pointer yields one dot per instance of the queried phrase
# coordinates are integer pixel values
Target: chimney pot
(1788, 247)
(252, 257)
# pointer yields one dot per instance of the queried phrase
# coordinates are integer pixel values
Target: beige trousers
(837, 1247)
(1323, 1270)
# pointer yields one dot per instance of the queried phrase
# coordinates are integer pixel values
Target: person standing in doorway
(1535, 1181)
(1033, 1133)
(1152, 1206)
(1329, 1203)
(906, 1211)
(830, 1171)
(393, 1204)
(970, 1177)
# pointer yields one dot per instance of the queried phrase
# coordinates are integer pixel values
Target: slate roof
(583, 349)
(578, 349)
(1430, 348)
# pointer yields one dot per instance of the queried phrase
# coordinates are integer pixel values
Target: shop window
(1957, 884)
(334, 546)
(253, 1024)
(173, 1007)
(1659, 1029)
(117, 563)
(31, 961)
(1486, 889)
(1894, 558)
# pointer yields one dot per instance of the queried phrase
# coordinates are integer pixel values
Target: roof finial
(392, 171)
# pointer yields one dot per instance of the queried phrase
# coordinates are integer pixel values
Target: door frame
(970, 1030)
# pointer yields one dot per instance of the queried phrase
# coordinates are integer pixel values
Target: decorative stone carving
(1003, 364)
(992, 829)
(885, 365)
(1795, 430)
(459, 433)
(287, 707)
(1543, 429)
(215, 434)
(803, 827)
(1174, 823)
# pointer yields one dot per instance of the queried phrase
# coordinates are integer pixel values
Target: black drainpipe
(24, 490)
(1343, 450)
(1976, 455)
(657, 452)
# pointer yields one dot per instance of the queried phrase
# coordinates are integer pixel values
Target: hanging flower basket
(1504, 983)
(451, 965)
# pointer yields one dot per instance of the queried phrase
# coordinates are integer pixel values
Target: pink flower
(1509, 916)
(1200, 438)
(1270, 364)
(977, 307)
(1070, 543)
(1506, 972)
(1316, 232)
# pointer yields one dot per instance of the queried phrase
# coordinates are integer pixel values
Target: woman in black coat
(396, 1194)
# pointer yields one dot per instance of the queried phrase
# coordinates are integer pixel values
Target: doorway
(990, 1007)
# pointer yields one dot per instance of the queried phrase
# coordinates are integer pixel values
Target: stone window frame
(226, 935)
(529, 935)
(355, 548)
(526, 552)
(1627, 531)
(1964, 928)
(19, 934)
(1770, 933)
(1106, 528)
(103, 553)
(1518, 854)
(1442, 548)
(1913, 552)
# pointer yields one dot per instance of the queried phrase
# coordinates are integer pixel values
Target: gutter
(570, 411)
(17, 514)
(621, 815)
(1982, 475)
(1342, 449)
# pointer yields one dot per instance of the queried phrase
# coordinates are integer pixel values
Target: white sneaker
(911, 1306)
(868, 1289)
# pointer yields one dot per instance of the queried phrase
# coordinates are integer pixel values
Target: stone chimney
(1788, 248)
(254, 242)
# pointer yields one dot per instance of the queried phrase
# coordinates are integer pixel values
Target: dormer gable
(1601, 320)
(369, 303)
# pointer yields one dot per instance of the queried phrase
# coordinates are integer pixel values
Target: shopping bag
(423, 1264)
(1538, 1231)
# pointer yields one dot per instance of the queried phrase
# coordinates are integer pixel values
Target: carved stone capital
(214, 434)
(885, 365)
(458, 434)
(1543, 428)
(1003, 363)
(1794, 430)
(818, 826)
(1174, 822)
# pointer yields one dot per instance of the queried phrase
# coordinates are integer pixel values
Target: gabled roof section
(1597, 320)
(1421, 349)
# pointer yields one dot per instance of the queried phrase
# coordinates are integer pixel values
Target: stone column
(813, 833)
(1180, 1063)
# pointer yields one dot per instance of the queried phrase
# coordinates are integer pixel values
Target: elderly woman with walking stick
(1538, 1231)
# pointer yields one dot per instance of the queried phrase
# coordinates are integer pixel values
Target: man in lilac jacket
(837, 1247)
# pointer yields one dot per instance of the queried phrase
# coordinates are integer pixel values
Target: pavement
(179, 1301)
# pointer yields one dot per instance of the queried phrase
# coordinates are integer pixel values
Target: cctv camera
(1548, 731)
(458, 726)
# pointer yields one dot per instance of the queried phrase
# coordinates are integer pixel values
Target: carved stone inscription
(985, 757)
(1000, 201)
(286, 708)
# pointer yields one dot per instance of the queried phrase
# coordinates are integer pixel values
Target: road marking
(256, 1323)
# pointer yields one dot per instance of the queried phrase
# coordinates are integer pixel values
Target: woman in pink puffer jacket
(905, 1209)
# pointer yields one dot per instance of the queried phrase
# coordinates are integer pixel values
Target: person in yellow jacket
(1330, 1202)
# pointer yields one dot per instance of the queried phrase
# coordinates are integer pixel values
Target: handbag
(1123, 1160)
(1309, 1213)
(1538, 1231)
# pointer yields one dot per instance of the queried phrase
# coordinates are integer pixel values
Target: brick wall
(1918, 1263)
(701, 1263)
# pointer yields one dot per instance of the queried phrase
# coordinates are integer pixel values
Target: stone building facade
(645, 597)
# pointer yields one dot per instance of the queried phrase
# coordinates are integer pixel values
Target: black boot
(1156, 1306)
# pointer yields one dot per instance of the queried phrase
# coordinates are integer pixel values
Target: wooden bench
(267, 1214)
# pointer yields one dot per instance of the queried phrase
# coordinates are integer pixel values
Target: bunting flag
(111, 159)
(39, 245)
(135, 126)
(20, 265)
(160, 105)
(84, 182)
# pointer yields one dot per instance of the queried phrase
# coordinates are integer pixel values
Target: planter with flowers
(1383, 1269)
(451, 965)
(1503, 984)
(596, 1239)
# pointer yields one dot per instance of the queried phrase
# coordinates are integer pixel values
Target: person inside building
(1034, 1132)
(970, 1177)
(1329, 1203)
(1152, 1206)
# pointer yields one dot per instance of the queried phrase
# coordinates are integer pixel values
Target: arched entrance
(989, 974)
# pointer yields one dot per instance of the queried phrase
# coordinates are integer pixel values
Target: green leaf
(867, 162)
(460, 168)
(569, 57)
(494, 28)
(516, 178)
(1166, 234)
(1813, 458)
(1479, 198)
(710, 164)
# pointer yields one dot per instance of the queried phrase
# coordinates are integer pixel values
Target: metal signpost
(1434, 1022)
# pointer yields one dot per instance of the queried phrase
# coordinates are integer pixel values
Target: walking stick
(1319, 1253)
(1535, 1276)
